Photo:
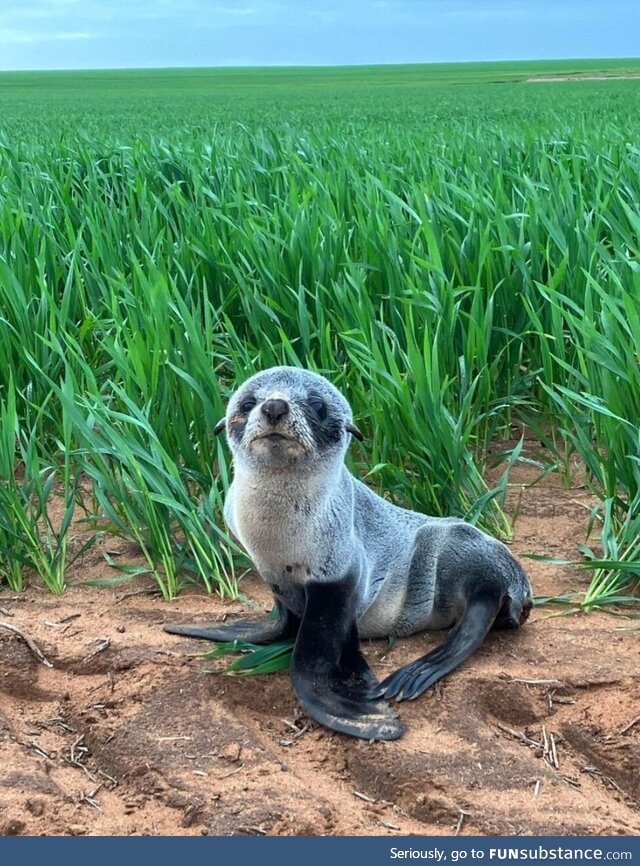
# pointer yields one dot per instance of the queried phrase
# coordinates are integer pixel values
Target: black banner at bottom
(323, 851)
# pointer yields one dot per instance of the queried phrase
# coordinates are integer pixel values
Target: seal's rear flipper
(329, 674)
(411, 680)
(284, 625)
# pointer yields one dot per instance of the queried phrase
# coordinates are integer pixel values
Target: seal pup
(344, 564)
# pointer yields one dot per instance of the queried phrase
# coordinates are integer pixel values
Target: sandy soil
(130, 733)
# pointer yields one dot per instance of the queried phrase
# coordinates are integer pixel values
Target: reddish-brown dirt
(129, 731)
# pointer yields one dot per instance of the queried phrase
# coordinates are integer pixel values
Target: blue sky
(72, 34)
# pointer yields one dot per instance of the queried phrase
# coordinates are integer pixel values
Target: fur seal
(344, 564)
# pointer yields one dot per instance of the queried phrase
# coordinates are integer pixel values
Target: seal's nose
(274, 410)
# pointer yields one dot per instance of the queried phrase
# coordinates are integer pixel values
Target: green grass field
(455, 247)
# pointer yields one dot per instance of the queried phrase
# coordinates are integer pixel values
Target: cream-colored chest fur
(282, 527)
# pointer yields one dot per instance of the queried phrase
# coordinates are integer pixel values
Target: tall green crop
(455, 259)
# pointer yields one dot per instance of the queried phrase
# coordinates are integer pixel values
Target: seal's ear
(220, 426)
(351, 428)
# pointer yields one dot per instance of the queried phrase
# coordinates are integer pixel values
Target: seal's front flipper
(411, 680)
(283, 625)
(320, 698)
(329, 674)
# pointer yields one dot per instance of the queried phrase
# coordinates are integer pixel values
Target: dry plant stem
(631, 724)
(32, 646)
(518, 735)
(460, 821)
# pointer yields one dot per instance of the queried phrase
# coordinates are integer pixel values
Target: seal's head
(285, 416)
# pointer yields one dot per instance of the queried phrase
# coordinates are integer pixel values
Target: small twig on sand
(32, 646)
(549, 750)
(68, 618)
(89, 798)
(102, 646)
(554, 752)
(64, 622)
(232, 773)
(388, 826)
(6, 612)
(518, 735)
(573, 783)
(36, 748)
(149, 591)
(109, 778)
(364, 797)
(77, 753)
(295, 726)
(628, 727)
(460, 821)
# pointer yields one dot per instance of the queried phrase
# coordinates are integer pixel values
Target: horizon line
(322, 65)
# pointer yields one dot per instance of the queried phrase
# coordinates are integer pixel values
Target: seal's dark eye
(318, 407)
(247, 405)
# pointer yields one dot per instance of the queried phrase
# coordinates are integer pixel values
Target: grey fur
(302, 516)
(343, 563)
